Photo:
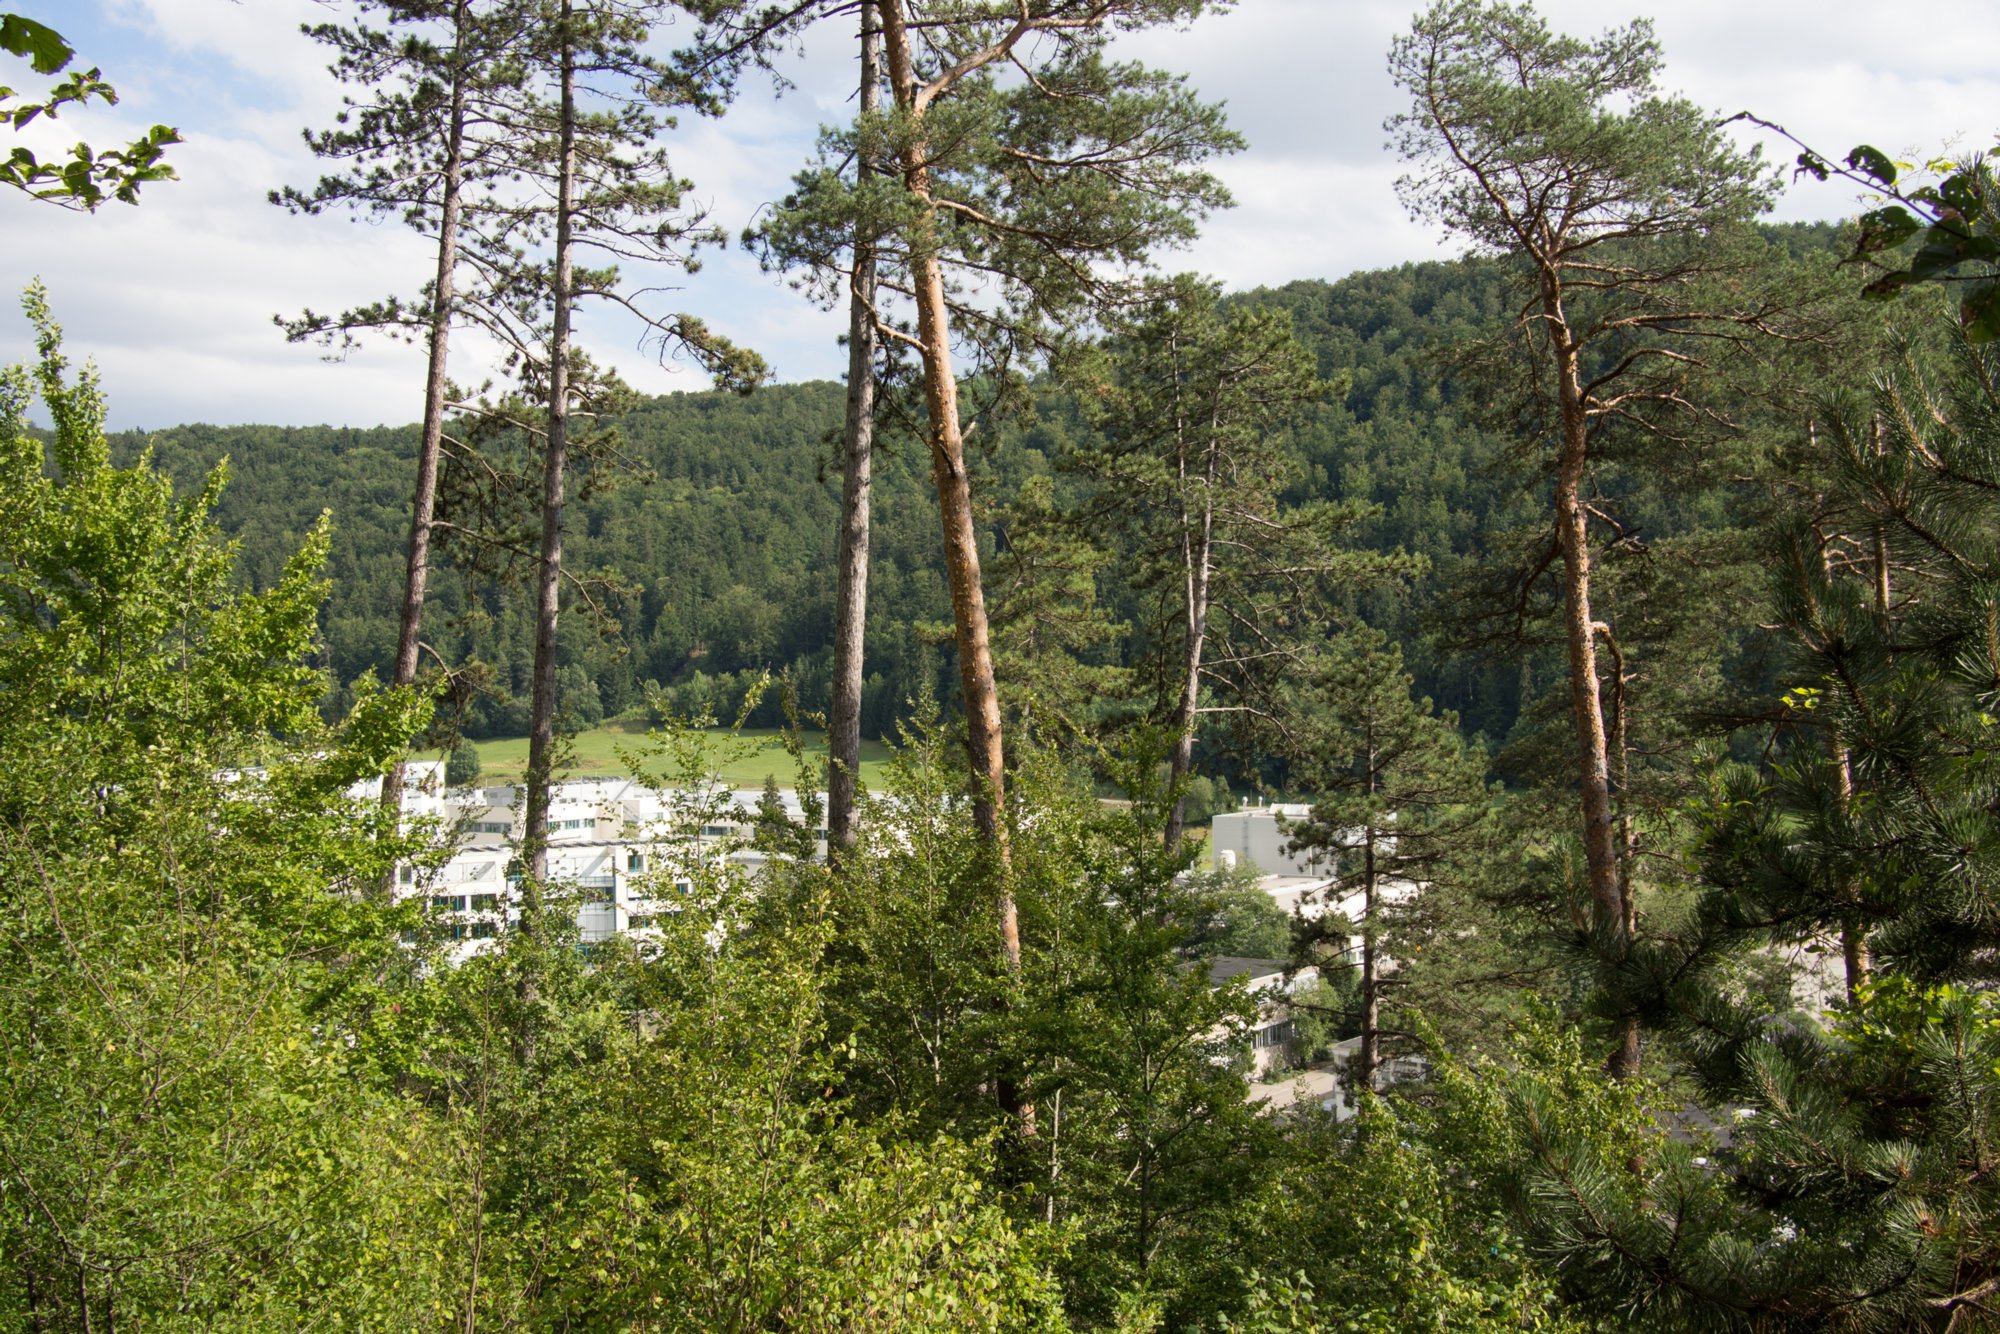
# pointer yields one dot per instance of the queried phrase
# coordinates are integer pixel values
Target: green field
(595, 755)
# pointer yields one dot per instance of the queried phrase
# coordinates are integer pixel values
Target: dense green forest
(721, 517)
(1622, 605)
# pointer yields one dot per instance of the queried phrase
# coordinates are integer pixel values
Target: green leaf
(1943, 249)
(1960, 193)
(1887, 287)
(41, 45)
(1885, 229)
(1874, 163)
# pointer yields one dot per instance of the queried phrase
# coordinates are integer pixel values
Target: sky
(174, 299)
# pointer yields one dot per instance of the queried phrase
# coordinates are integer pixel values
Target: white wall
(1257, 838)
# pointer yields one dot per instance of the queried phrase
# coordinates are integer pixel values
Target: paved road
(1318, 1085)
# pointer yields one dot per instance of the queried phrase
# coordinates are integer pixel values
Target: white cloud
(174, 298)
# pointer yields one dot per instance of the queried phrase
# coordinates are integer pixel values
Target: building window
(448, 902)
(635, 861)
(485, 902)
(715, 830)
(483, 930)
(1277, 1035)
(407, 874)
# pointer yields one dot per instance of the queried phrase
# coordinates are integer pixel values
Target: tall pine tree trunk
(1368, 1055)
(1609, 912)
(961, 540)
(424, 502)
(1854, 954)
(856, 478)
(1181, 758)
(1853, 929)
(548, 572)
(947, 449)
(1197, 557)
(1620, 750)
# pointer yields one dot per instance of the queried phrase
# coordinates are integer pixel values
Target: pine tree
(608, 187)
(1874, 827)
(1054, 641)
(774, 828)
(1005, 217)
(857, 465)
(1854, 1185)
(1398, 800)
(1627, 213)
(425, 135)
(1191, 399)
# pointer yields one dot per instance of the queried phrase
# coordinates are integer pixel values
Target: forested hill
(730, 539)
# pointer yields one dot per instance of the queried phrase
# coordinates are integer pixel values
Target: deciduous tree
(89, 178)
(193, 1126)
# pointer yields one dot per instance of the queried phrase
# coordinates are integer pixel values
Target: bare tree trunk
(1368, 1056)
(1145, 1228)
(961, 539)
(548, 576)
(1882, 590)
(850, 617)
(424, 501)
(1181, 758)
(1197, 560)
(1628, 828)
(1853, 930)
(984, 745)
(1600, 841)
(1055, 1156)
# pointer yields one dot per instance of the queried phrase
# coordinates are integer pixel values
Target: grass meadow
(594, 754)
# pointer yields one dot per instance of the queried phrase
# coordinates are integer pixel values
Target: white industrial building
(1272, 982)
(628, 850)
(1260, 836)
(1306, 883)
(1303, 882)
